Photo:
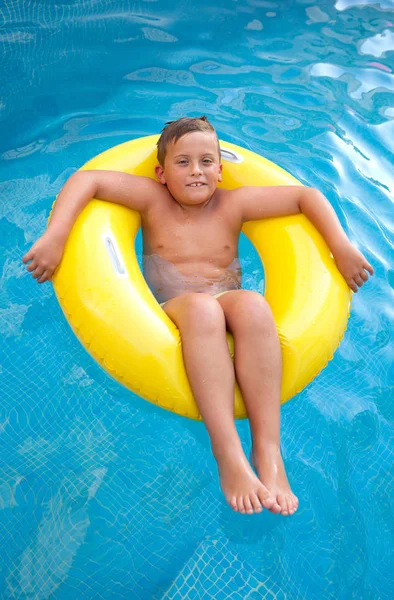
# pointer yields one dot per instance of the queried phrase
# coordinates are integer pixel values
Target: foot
(242, 489)
(268, 464)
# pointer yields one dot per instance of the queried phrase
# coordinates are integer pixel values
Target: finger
(28, 256)
(32, 266)
(38, 273)
(363, 275)
(44, 277)
(368, 267)
(353, 286)
(358, 280)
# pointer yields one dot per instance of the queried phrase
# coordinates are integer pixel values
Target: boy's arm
(114, 186)
(279, 201)
(129, 190)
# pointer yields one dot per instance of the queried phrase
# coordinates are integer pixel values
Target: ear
(220, 177)
(160, 174)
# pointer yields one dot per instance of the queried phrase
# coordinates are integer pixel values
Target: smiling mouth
(199, 184)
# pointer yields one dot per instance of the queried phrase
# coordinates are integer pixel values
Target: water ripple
(93, 479)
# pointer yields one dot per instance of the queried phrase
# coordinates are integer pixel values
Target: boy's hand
(353, 265)
(45, 255)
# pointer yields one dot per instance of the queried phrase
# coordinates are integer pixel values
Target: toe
(286, 512)
(265, 497)
(293, 504)
(248, 505)
(275, 508)
(240, 504)
(282, 501)
(233, 503)
(255, 502)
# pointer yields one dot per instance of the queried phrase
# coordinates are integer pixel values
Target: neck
(193, 209)
(190, 209)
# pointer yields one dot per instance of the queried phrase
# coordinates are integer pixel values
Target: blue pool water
(101, 494)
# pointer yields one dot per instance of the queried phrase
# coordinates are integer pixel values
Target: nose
(195, 168)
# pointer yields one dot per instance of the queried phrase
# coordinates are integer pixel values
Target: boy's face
(192, 168)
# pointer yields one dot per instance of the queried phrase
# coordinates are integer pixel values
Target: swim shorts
(215, 296)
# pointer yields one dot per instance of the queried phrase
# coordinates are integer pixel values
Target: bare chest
(211, 238)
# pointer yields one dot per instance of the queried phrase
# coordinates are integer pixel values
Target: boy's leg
(258, 368)
(202, 325)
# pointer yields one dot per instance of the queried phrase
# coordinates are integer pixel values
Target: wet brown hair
(174, 130)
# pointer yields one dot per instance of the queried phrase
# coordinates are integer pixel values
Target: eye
(183, 161)
(207, 160)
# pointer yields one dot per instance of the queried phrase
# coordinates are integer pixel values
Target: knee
(252, 311)
(203, 313)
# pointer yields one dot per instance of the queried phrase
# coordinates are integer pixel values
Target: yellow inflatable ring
(110, 308)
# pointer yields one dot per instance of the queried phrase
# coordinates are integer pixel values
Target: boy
(190, 233)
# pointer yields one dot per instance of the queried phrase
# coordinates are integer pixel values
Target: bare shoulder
(233, 200)
(228, 198)
(244, 192)
(226, 209)
(238, 195)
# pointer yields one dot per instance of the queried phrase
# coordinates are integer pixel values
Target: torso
(195, 252)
